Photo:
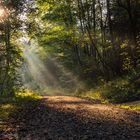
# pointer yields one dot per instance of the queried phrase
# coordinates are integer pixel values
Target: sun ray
(48, 76)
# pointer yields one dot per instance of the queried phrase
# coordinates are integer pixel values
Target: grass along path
(70, 118)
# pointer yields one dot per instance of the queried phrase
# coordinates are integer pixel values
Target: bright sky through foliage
(2, 13)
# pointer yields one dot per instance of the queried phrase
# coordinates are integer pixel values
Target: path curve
(72, 118)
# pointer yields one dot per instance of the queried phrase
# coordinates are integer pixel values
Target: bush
(122, 90)
(117, 91)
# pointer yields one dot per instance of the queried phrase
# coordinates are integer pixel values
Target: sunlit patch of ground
(10, 106)
(49, 91)
(96, 95)
(5, 110)
(131, 105)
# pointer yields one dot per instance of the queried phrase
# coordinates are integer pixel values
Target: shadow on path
(70, 118)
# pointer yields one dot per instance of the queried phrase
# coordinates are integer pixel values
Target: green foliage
(131, 105)
(10, 52)
(11, 105)
(125, 56)
(117, 91)
(92, 43)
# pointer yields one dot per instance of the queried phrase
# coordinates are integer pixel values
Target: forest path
(72, 118)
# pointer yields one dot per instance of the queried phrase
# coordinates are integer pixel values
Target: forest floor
(70, 118)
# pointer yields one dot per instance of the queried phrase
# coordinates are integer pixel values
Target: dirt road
(71, 118)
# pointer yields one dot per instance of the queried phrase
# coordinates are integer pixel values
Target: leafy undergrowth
(120, 91)
(95, 95)
(11, 105)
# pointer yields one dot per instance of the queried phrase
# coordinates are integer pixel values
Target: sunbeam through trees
(53, 49)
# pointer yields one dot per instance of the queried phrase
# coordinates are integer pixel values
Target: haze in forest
(69, 69)
(44, 76)
(76, 47)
